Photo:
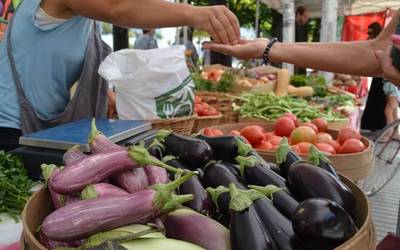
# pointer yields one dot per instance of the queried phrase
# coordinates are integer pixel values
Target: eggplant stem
(47, 171)
(268, 190)
(244, 149)
(162, 134)
(88, 193)
(282, 151)
(94, 132)
(215, 193)
(175, 201)
(245, 162)
(168, 158)
(171, 186)
(156, 142)
(316, 156)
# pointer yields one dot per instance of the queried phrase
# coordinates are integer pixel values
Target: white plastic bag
(150, 84)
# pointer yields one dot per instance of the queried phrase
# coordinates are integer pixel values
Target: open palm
(245, 49)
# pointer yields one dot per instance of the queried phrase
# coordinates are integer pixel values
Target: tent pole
(288, 27)
(257, 18)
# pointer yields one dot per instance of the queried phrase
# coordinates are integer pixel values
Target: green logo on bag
(177, 102)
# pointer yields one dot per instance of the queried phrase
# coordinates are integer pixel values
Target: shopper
(189, 45)
(146, 40)
(366, 58)
(301, 31)
(51, 44)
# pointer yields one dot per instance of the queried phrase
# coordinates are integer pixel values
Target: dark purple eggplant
(217, 174)
(275, 169)
(99, 143)
(132, 181)
(234, 168)
(277, 225)
(156, 175)
(85, 218)
(187, 225)
(101, 190)
(322, 224)
(195, 153)
(319, 159)
(220, 197)
(246, 228)
(73, 155)
(281, 199)
(201, 202)
(313, 182)
(285, 157)
(156, 149)
(257, 174)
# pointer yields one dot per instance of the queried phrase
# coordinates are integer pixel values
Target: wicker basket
(206, 121)
(181, 125)
(223, 103)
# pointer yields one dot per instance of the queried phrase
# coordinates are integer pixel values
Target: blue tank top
(49, 61)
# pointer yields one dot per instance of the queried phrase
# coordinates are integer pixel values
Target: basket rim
(175, 119)
(209, 117)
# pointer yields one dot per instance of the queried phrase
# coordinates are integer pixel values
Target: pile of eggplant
(181, 192)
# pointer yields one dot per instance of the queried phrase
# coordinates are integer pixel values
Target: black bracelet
(267, 50)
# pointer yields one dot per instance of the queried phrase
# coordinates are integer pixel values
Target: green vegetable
(298, 80)
(318, 83)
(225, 84)
(14, 185)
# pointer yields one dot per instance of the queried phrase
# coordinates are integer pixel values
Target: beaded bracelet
(267, 50)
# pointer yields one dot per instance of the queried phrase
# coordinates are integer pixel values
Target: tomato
(303, 134)
(324, 137)
(254, 134)
(304, 147)
(217, 132)
(311, 125)
(264, 145)
(274, 148)
(351, 146)
(208, 132)
(336, 145)
(197, 99)
(293, 117)
(321, 124)
(275, 140)
(284, 126)
(348, 133)
(326, 148)
(234, 133)
(296, 149)
(268, 135)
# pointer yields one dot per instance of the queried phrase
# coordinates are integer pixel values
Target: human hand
(1, 36)
(111, 111)
(245, 49)
(222, 25)
(390, 72)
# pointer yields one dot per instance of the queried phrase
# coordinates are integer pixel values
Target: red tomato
(264, 145)
(326, 148)
(208, 132)
(303, 134)
(284, 126)
(324, 137)
(234, 133)
(336, 145)
(211, 111)
(217, 132)
(348, 133)
(321, 124)
(268, 135)
(254, 134)
(311, 125)
(304, 147)
(197, 99)
(296, 149)
(293, 117)
(351, 146)
(274, 148)
(275, 140)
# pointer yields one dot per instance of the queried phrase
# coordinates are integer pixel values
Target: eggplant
(313, 182)
(257, 174)
(51, 244)
(246, 228)
(99, 143)
(319, 159)
(234, 168)
(190, 226)
(221, 199)
(285, 157)
(132, 181)
(322, 224)
(156, 149)
(275, 169)
(156, 175)
(73, 155)
(217, 174)
(85, 218)
(159, 244)
(280, 198)
(201, 202)
(195, 153)
(277, 225)
(101, 190)
(48, 172)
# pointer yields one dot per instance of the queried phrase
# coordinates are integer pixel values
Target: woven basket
(181, 125)
(206, 121)
(223, 103)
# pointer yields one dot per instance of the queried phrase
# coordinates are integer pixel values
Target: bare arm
(216, 20)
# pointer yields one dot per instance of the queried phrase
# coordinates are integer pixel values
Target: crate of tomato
(206, 115)
(349, 152)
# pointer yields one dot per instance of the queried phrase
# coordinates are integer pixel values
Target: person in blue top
(146, 41)
(50, 44)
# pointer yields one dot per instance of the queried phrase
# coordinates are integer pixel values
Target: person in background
(146, 41)
(302, 18)
(191, 50)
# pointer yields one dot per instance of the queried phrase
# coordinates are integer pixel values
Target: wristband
(267, 50)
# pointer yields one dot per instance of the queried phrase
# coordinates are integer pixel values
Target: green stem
(316, 156)
(215, 193)
(244, 149)
(162, 134)
(282, 151)
(47, 171)
(89, 193)
(242, 199)
(93, 132)
(268, 190)
(246, 162)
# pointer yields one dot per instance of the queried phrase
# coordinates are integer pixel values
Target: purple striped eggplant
(48, 172)
(99, 143)
(73, 155)
(190, 226)
(51, 244)
(85, 218)
(131, 181)
(285, 157)
(156, 175)
(101, 190)
(319, 159)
